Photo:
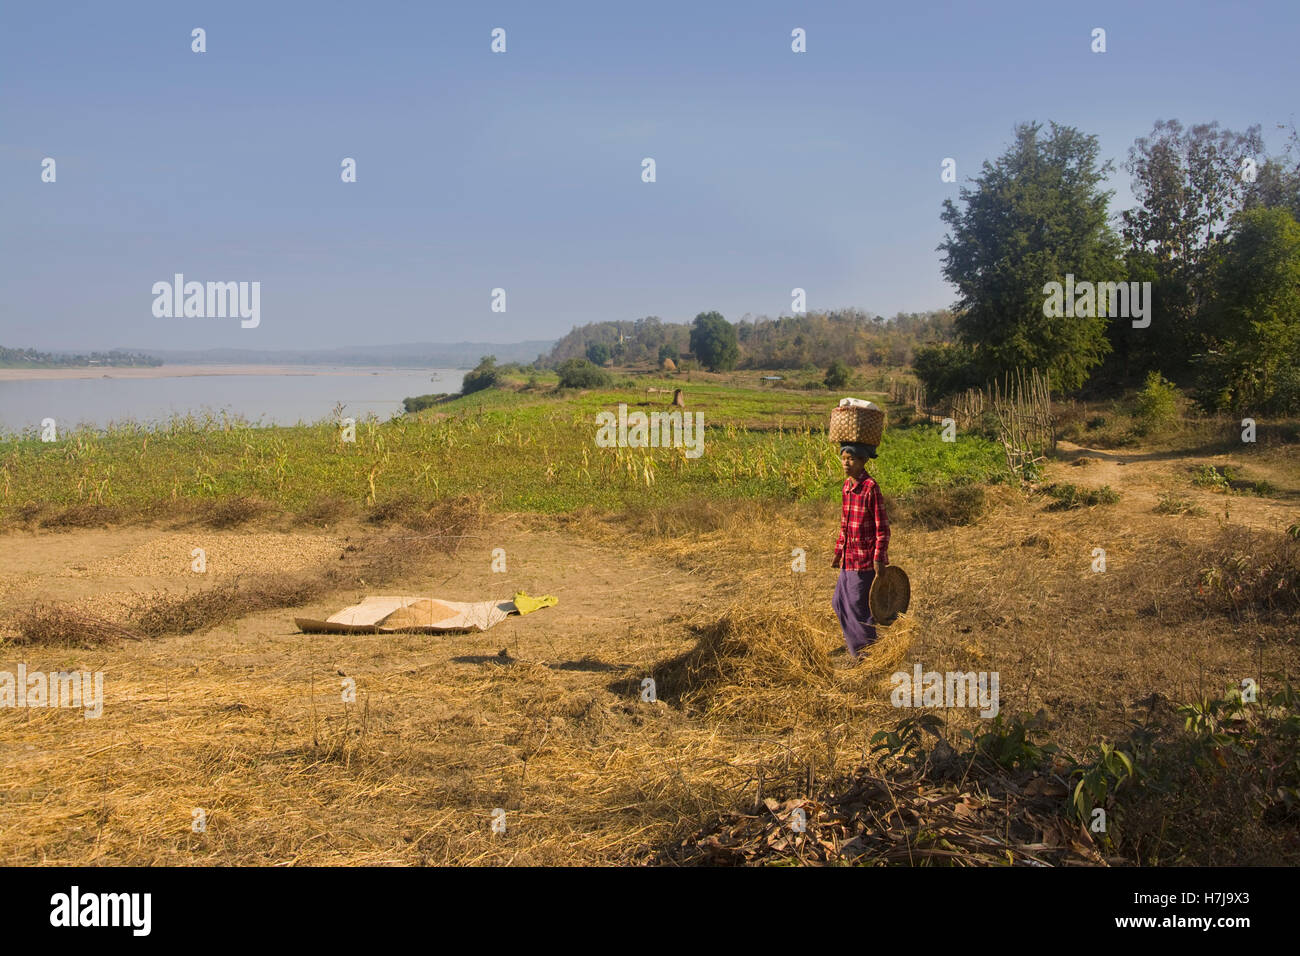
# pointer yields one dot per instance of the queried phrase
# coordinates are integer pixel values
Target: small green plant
(1230, 481)
(1066, 496)
(1253, 740)
(1009, 746)
(904, 742)
(1207, 476)
(1172, 504)
(1113, 770)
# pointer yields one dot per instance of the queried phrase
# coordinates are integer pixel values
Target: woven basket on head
(855, 425)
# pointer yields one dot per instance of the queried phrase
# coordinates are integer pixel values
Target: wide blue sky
(523, 170)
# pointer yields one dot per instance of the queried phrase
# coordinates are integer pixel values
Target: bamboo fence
(1022, 406)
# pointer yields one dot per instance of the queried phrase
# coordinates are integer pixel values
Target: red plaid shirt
(864, 528)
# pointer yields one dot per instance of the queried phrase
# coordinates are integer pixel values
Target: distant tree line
(814, 339)
(30, 358)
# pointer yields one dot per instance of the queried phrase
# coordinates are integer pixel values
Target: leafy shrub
(1229, 480)
(905, 741)
(1069, 496)
(485, 375)
(1172, 504)
(838, 375)
(598, 353)
(1010, 745)
(1248, 746)
(1156, 404)
(418, 403)
(579, 373)
(1207, 476)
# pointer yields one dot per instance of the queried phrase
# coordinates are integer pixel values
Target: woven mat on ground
(389, 615)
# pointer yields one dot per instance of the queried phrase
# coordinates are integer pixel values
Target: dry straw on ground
(544, 719)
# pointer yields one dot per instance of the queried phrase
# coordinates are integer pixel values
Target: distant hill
(410, 355)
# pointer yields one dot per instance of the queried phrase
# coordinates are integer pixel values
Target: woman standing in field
(861, 551)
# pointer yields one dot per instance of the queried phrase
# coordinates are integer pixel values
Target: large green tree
(1253, 329)
(1035, 215)
(1188, 184)
(713, 340)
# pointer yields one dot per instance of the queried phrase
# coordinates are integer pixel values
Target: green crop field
(520, 450)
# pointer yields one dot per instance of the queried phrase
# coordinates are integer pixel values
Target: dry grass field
(542, 716)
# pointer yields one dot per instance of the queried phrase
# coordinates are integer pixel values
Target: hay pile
(746, 661)
(771, 660)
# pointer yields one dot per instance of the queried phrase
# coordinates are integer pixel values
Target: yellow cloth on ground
(526, 605)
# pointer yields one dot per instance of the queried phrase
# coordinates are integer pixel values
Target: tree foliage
(1277, 184)
(713, 341)
(837, 375)
(1253, 330)
(484, 375)
(810, 340)
(1188, 183)
(31, 358)
(1033, 216)
(945, 368)
(640, 341)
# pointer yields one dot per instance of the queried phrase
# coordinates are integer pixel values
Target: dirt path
(1142, 477)
(99, 569)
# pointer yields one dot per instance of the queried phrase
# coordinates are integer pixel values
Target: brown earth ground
(542, 717)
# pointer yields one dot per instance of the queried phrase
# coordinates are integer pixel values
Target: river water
(279, 397)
